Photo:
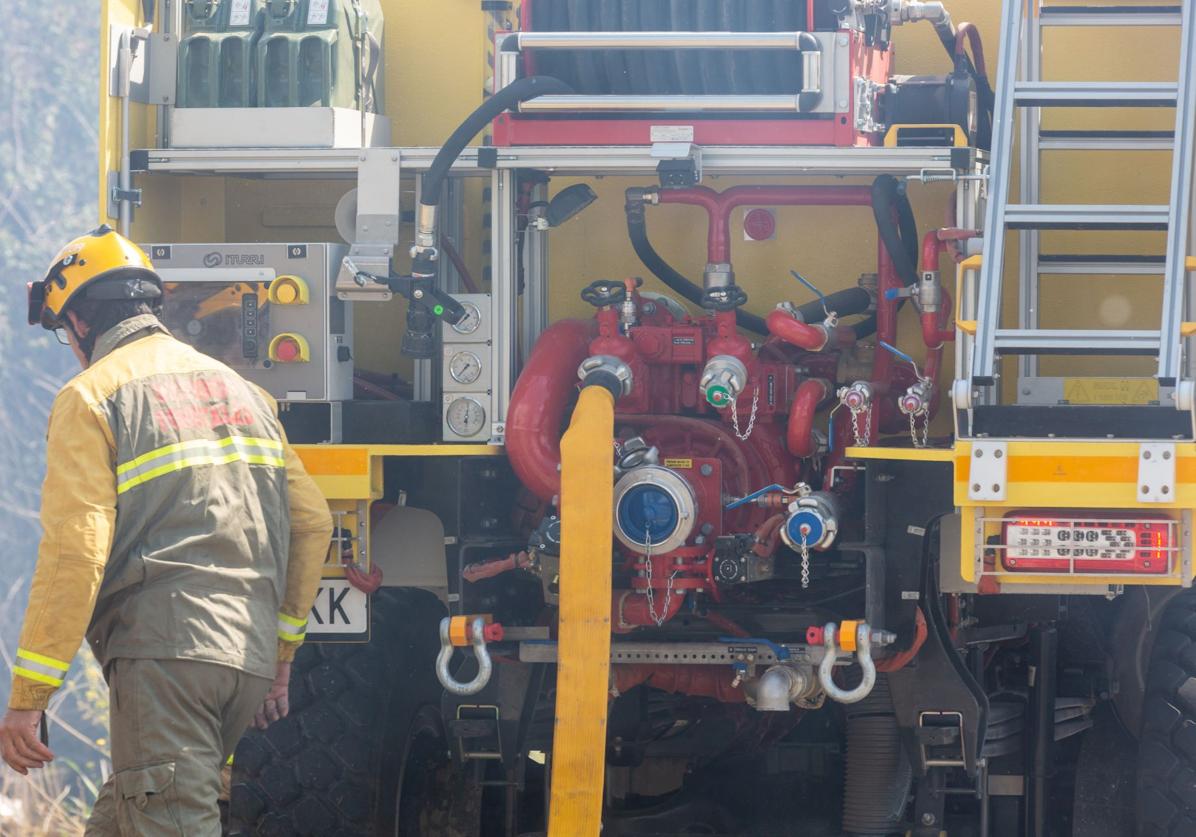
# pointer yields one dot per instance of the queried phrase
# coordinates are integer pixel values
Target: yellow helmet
(102, 264)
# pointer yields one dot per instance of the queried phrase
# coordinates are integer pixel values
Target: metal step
(1161, 15)
(1095, 94)
(1096, 140)
(1100, 265)
(1085, 217)
(1018, 341)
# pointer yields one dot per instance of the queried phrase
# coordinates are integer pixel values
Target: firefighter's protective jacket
(178, 523)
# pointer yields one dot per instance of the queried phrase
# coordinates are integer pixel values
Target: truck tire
(319, 771)
(1166, 803)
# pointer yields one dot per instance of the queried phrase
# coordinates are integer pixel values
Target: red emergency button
(289, 347)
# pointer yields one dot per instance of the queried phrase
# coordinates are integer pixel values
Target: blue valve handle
(808, 284)
(743, 501)
(898, 353)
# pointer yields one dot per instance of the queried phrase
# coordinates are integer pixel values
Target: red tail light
(1087, 542)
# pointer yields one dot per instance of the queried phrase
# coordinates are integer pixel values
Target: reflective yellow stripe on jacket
(40, 668)
(291, 629)
(171, 458)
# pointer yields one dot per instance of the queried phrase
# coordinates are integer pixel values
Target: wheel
(323, 769)
(1166, 802)
(432, 798)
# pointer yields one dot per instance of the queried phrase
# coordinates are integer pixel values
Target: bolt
(1146, 489)
(1146, 454)
(928, 818)
(1166, 489)
(976, 486)
(979, 452)
(1166, 454)
(996, 488)
(997, 454)
(706, 470)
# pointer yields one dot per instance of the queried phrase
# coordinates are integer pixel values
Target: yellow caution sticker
(1110, 391)
(683, 464)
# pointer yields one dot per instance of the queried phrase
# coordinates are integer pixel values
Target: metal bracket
(988, 471)
(1156, 472)
(866, 92)
(117, 194)
(162, 74)
(139, 63)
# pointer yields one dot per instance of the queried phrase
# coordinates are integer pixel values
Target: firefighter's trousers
(174, 723)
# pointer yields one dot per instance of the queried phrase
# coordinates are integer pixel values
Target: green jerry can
(321, 53)
(217, 53)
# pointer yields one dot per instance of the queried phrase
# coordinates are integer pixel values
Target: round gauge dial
(465, 367)
(466, 417)
(472, 321)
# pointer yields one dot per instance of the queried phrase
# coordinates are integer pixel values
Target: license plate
(341, 613)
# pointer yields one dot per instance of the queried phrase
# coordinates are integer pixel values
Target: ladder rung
(1072, 342)
(1100, 265)
(1167, 15)
(1090, 140)
(1085, 217)
(1095, 94)
(1076, 342)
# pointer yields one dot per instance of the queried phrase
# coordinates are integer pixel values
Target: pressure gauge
(465, 367)
(472, 321)
(466, 417)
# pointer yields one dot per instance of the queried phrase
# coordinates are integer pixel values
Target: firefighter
(181, 535)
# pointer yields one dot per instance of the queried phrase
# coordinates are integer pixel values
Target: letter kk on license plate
(341, 613)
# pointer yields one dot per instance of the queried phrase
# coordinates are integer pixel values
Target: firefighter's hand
(19, 744)
(277, 704)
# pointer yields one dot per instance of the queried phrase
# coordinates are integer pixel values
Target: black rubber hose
(878, 772)
(900, 237)
(845, 303)
(514, 93)
(637, 231)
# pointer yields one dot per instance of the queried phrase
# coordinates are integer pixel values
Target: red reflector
(1087, 542)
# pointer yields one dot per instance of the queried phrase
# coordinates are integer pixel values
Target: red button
(287, 350)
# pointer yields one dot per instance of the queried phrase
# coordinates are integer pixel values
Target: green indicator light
(438, 310)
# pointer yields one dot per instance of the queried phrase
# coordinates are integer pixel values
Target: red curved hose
(629, 610)
(539, 402)
(785, 326)
(969, 32)
(800, 436)
(901, 660)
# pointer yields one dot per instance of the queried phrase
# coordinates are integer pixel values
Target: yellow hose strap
(583, 668)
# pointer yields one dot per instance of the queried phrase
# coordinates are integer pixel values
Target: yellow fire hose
(583, 668)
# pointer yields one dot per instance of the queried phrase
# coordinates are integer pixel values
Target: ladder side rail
(1030, 161)
(991, 273)
(1175, 280)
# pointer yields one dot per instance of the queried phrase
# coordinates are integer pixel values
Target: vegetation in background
(49, 59)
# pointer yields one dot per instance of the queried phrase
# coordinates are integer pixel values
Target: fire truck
(740, 417)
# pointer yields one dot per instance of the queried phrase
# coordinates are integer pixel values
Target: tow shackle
(476, 634)
(858, 637)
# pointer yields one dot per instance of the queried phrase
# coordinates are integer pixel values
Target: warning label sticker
(239, 13)
(317, 13)
(1110, 391)
(682, 464)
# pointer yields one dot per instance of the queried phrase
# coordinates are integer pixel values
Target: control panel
(267, 310)
(466, 365)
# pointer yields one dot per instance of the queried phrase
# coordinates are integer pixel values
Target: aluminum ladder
(1022, 25)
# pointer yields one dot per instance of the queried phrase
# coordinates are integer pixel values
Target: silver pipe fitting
(485, 667)
(780, 686)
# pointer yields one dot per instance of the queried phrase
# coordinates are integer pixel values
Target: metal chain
(743, 437)
(805, 563)
(861, 438)
(658, 618)
(924, 441)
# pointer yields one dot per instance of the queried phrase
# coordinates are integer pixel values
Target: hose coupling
(606, 371)
(780, 686)
(456, 632)
(723, 379)
(856, 397)
(857, 637)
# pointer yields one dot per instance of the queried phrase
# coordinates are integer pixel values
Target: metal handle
(863, 656)
(658, 40)
(477, 639)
